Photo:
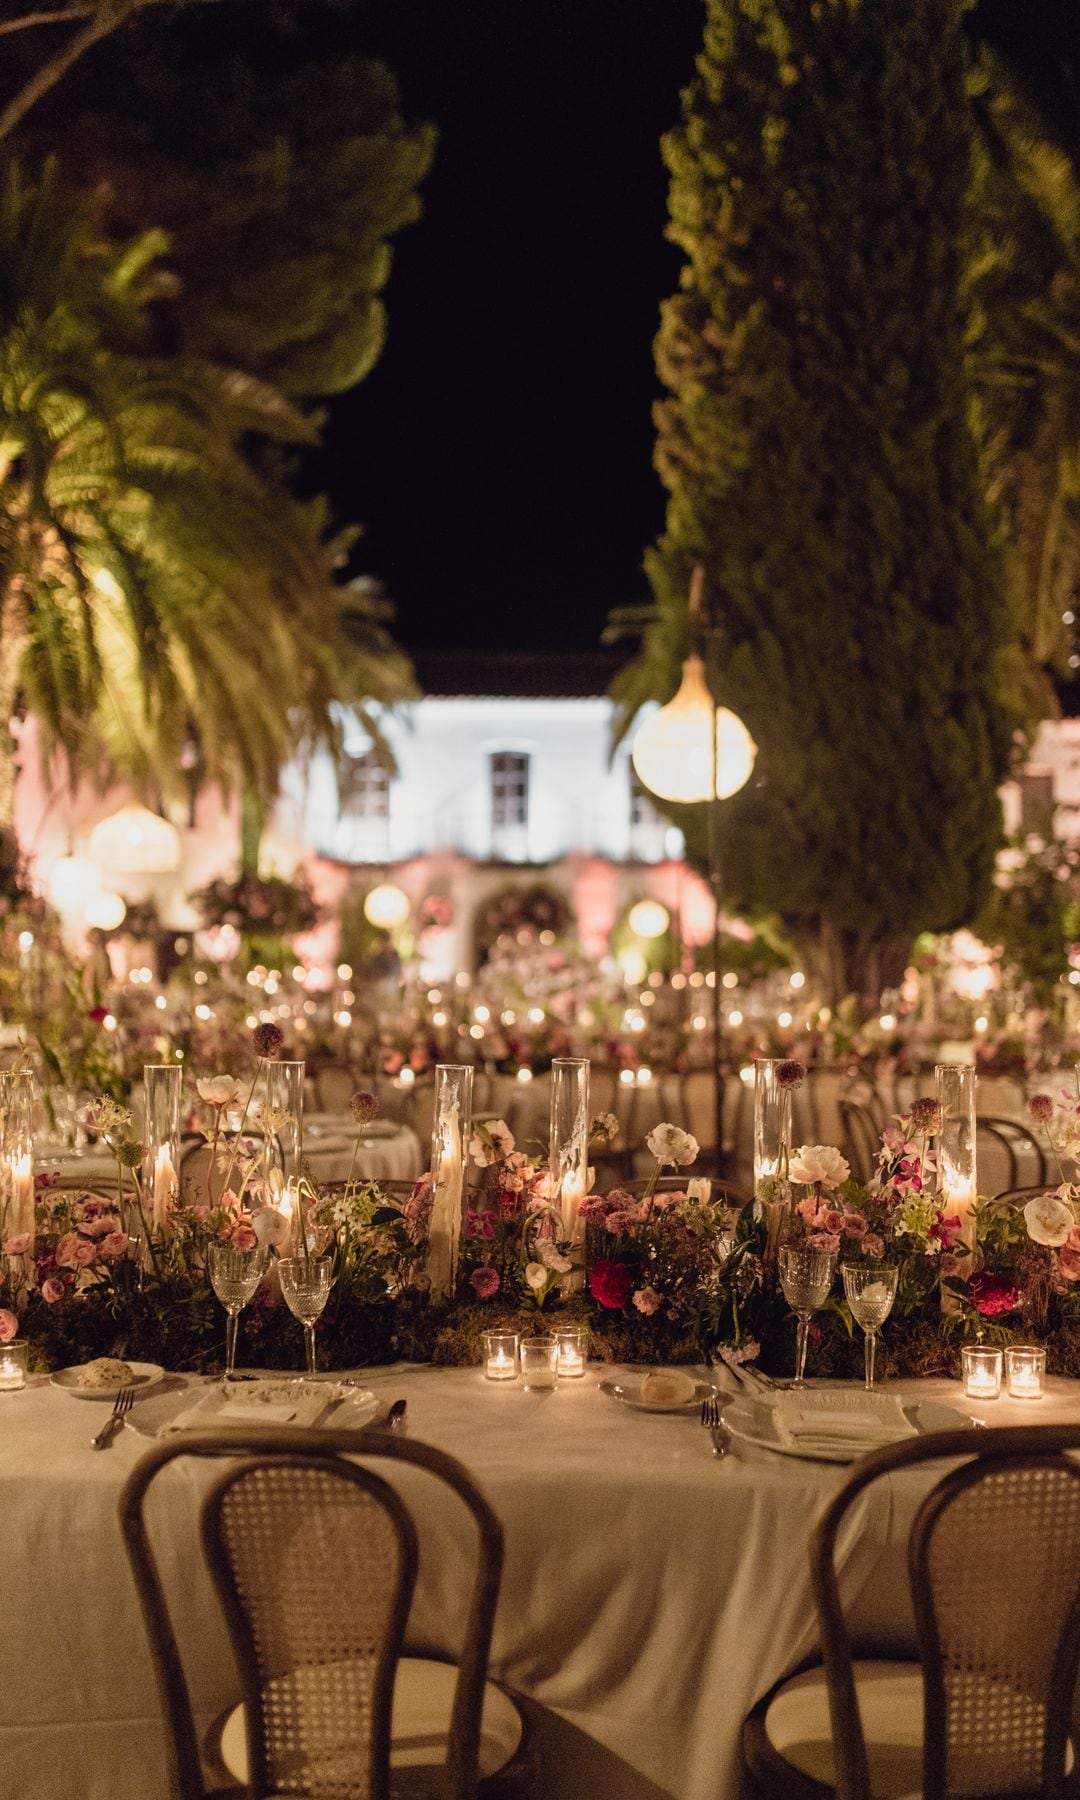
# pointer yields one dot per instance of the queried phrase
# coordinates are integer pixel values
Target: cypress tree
(821, 465)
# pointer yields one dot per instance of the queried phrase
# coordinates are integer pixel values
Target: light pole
(692, 750)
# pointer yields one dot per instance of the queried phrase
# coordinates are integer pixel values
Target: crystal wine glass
(806, 1276)
(306, 1282)
(234, 1276)
(870, 1289)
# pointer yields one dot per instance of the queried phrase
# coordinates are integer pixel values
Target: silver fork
(713, 1422)
(121, 1407)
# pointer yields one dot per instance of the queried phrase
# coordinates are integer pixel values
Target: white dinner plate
(354, 1406)
(628, 1393)
(751, 1419)
(143, 1375)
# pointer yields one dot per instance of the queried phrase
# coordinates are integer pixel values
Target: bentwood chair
(861, 1138)
(721, 1191)
(994, 1568)
(314, 1559)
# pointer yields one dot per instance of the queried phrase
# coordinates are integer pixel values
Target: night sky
(500, 454)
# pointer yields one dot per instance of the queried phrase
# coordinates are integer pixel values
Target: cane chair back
(1028, 1151)
(994, 1561)
(697, 1109)
(334, 1088)
(995, 1158)
(314, 1559)
(860, 1138)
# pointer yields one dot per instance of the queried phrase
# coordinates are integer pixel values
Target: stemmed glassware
(306, 1282)
(234, 1276)
(870, 1289)
(806, 1276)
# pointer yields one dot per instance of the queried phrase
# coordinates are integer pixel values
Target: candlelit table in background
(651, 1592)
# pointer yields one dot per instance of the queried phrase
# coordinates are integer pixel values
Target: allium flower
(819, 1165)
(484, 1283)
(1049, 1220)
(647, 1300)
(364, 1107)
(790, 1074)
(129, 1153)
(9, 1325)
(1041, 1108)
(267, 1041)
(219, 1090)
(671, 1145)
(926, 1116)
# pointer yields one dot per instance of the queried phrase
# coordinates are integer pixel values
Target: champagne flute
(870, 1289)
(234, 1276)
(306, 1282)
(806, 1275)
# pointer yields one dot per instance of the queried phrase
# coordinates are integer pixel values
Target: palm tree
(154, 583)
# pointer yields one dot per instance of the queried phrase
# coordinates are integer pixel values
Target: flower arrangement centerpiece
(266, 911)
(513, 1245)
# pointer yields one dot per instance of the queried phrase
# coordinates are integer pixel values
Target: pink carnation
(854, 1223)
(824, 1240)
(52, 1290)
(84, 1254)
(873, 1245)
(66, 1248)
(9, 1325)
(485, 1282)
(807, 1207)
(17, 1246)
(114, 1245)
(832, 1221)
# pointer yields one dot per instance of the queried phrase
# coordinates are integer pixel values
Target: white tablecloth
(651, 1593)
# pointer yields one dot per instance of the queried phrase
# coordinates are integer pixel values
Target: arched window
(509, 775)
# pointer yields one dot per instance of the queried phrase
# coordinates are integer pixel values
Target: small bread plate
(627, 1392)
(143, 1376)
(338, 1403)
(753, 1420)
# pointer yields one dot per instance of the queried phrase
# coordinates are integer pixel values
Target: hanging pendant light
(672, 751)
(135, 841)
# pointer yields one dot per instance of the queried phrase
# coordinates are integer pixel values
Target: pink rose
(17, 1246)
(66, 1248)
(873, 1245)
(242, 1237)
(485, 1282)
(9, 1325)
(52, 1290)
(114, 1245)
(84, 1254)
(832, 1221)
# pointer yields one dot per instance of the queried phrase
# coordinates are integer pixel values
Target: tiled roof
(518, 674)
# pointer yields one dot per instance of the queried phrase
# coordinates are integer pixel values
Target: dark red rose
(98, 1013)
(992, 1294)
(610, 1284)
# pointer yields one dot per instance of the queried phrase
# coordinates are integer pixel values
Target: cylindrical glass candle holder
(161, 1138)
(956, 1144)
(982, 1365)
(17, 1152)
(283, 1115)
(13, 1366)
(450, 1133)
(539, 1360)
(501, 1355)
(1025, 1371)
(772, 1123)
(573, 1348)
(569, 1139)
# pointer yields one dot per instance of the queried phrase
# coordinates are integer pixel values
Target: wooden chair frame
(1035, 1445)
(183, 1761)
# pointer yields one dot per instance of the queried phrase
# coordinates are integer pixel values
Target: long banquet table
(651, 1592)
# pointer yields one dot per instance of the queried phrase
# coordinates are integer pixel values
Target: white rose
(670, 1144)
(699, 1188)
(818, 1164)
(1049, 1220)
(536, 1275)
(219, 1090)
(270, 1226)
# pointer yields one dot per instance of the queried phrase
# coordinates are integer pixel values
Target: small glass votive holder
(13, 1366)
(1025, 1371)
(501, 1355)
(573, 1353)
(539, 1361)
(982, 1365)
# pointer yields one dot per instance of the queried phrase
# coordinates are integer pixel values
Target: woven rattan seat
(994, 1562)
(314, 1558)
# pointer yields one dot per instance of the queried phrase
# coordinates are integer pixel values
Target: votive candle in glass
(501, 1355)
(13, 1366)
(539, 1359)
(982, 1371)
(573, 1347)
(1025, 1371)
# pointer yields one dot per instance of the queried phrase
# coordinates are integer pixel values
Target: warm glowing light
(386, 907)
(524, 1074)
(344, 971)
(69, 881)
(109, 1022)
(648, 919)
(626, 1076)
(438, 1018)
(735, 1018)
(135, 841)
(203, 1012)
(536, 1015)
(730, 980)
(481, 1015)
(783, 1020)
(105, 911)
(673, 749)
(798, 979)
(887, 1021)
(644, 1076)
(26, 940)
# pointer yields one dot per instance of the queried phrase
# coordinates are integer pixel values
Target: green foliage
(820, 463)
(1034, 913)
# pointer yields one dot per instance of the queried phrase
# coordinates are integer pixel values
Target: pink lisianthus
(873, 1245)
(66, 1249)
(484, 1283)
(52, 1290)
(824, 1240)
(116, 1244)
(831, 1221)
(84, 1254)
(647, 1300)
(17, 1246)
(9, 1325)
(242, 1237)
(854, 1223)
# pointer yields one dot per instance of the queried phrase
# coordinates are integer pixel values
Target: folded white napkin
(218, 1411)
(827, 1421)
